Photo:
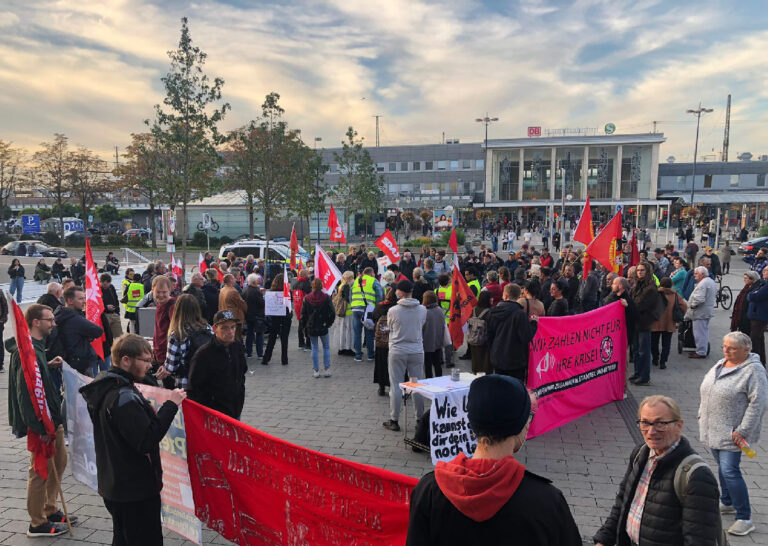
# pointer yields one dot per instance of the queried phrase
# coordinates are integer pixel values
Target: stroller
(685, 340)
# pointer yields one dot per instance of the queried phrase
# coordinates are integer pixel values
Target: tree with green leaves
(140, 173)
(306, 193)
(106, 213)
(10, 170)
(360, 187)
(53, 165)
(86, 179)
(186, 130)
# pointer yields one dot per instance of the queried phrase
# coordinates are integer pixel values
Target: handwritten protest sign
(274, 304)
(253, 488)
(449, 426)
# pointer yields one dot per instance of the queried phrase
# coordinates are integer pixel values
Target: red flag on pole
(603, 246)
(585, 231)
(462, 303)
(634, 256)
(453, 242)
(42, 451)
(94, 304)
(178, 270)
(388, 246)
(202, 267)
(326, 270)
(337, 234)
(294, 247)
(286, 288)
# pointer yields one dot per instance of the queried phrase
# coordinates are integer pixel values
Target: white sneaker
(741, 528)
(327, 373)
(315, 374)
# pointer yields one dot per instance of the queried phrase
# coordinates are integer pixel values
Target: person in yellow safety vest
(472, 281)
(444, 298)
(134, 293)
(126, 281)
(363, 295)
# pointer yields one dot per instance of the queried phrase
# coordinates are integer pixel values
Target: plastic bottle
(745, 447)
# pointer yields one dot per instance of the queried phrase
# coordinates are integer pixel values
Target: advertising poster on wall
(442, 219)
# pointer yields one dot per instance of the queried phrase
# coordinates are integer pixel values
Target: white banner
(82, 452)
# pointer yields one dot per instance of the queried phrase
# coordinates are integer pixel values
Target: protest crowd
(404, 317)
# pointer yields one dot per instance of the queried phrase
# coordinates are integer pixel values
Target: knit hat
(498, 405)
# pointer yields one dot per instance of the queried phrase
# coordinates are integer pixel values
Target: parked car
(140, 233)
(278, 251)
(42, 248)
(751, 247)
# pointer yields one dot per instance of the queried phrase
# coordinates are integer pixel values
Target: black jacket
(419, 287)
(13, 272)
(630, 311)
(646, 298)
(50, 300)
(76, 333)
(254, 299)
(199, 296)
(536, 515)
(509, 333)
(211, 293)
(127, 434)
(109, 297)
(406, 268)
(217, 377)
(666, 522)
(317, 313)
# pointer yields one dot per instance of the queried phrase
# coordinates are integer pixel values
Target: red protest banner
(94, 304)
(336, 233)
(253, 488)
(388, 246)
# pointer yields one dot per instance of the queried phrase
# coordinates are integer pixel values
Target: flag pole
(61, 495)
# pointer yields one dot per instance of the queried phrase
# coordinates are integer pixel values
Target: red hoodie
(479, 488)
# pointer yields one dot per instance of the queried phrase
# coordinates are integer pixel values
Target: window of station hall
(636, 171)
(600, 172)
(537, 173)
(569, 162)
(506, 175)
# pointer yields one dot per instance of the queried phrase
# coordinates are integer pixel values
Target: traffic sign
(74, 225)
(30, 223)
(206, 220)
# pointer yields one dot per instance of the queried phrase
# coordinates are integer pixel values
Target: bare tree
(10, 169)
(53, 164)
(86, 179)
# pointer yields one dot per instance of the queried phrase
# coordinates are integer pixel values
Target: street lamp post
(697, 113)
(487, 121)
(317, 186)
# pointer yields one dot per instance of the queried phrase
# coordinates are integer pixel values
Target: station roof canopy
(577, 140)
(724, 198)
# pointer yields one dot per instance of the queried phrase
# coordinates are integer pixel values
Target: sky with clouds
(91, 68)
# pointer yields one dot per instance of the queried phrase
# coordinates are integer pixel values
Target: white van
(278, 252)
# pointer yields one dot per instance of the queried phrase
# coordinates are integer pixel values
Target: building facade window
(442, 165)
(537, 171)
(454, 165)
(568, 163)
(429, 166)
(417, 165)
(734, 180)
(380, 167)
(761, 180)
(466, 163)
(636, 172)
(600, 172)
(707, 180)
(392, 167)
(404, 166)
(480, 164)
(509, 173)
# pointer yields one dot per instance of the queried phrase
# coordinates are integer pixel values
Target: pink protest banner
(576, 364)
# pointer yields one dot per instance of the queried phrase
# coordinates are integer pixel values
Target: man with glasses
(490, 498)
(45, 517)
(668, 495)
(127, 434)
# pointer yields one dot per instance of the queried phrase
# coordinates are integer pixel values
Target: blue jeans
(680, 244)
(359, 328)
(250, 337)
(643, 357)
(732, 484)
(101, 365)
(17, 286)
(315, 340)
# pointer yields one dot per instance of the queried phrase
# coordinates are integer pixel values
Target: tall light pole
(697, 113)
(317, 186)
(487, 122)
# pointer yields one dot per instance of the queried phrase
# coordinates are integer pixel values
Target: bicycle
(214, 226)
(724, 296)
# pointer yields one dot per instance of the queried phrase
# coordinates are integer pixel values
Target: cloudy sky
(91, 68)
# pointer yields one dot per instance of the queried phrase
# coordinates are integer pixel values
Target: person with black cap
(406, 322)
(491, 498)
(217, 370)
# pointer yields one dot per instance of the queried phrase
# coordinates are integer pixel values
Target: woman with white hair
(734, 397)
(387, 279)
(345, 326)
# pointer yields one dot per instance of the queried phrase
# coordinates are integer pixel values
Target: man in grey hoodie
(701, 309)
(406, 321)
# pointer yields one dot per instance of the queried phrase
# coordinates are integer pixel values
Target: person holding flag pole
(36, 414)
(462, 299)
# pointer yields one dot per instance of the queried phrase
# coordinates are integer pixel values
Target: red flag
(326, 270)
(219, 273)
(585, 231)
(178, 270)
(634, 257)
(294, 247)
(452, 242)
(94, 304)
(603, 246)
(286, 288)
(388, 246)
(462, 303)
(202, 267)
(42, 451)
(337, 234)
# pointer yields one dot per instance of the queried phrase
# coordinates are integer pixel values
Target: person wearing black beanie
(491, 498)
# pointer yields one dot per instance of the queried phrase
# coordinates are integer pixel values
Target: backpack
(381, 332)
(677, 311)
(683, 474)
(197, 339)
(477, 329)
(661, 306)
(339, 303)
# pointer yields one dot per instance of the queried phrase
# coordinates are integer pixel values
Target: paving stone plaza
(342, 416)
